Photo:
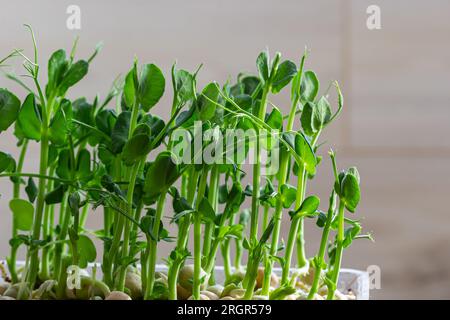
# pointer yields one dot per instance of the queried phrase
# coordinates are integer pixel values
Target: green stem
(135, 227)
(226, 258)
(252, 271)
(153, 247)
(74, 242)
(47, 230)
(198, 237)
(40, 202)
(59, 248)
(131, 177)
(84, 214)
(301, 253)
(323, 246)
(127, 227)
(183, 233)
(257, 171)
(251, 276)
(339, 249)
(16, 194)
(118, 223)
(295, 225)
(238, 255)
(212, 198)
(277, 223)
(265, 216)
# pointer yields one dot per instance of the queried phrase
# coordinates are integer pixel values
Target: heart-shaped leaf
(86, 251)
(9, 109)
(309, 86)
(151, 86)
(206, 102)
(350, 192)
(262, 63)
(7, 162)
(23, 212)
(29, 119)
(285, 72)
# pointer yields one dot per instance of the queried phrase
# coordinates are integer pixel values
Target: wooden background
(394, 127)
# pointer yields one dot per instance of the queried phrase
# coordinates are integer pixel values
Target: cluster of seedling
(115, 156)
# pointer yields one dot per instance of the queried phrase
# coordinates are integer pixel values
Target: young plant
(127, 161)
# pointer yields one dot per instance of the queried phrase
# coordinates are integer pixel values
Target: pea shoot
(143, 172)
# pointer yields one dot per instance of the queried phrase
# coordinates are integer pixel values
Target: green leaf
(142, 128)
(250, 84)
(234, 200)
(129, 88)
(83, 112)
(184, 85)
(155, 124)
(262, 63)
(321, 219)
(306, 153)
(151, 86)
(207, 108)
(244, 217)
(23, 212)
(119, 135)
(86, 251)
(281, 293)
(61, 124)
(350, 192)
(7, 162)
(309, 86)
(63, 170)
(350, 234)
(136, 148)
(354, 171)
(266, 234)
(76, 72)
(275, 119)
(56, 195)
(233, 231)
(83, 168)
(29, 119)
(285, 72)
(161, 174)
(288, 195)
(306, 119)
(57, 66)
(9, 109)
(303, 150)
(74, 203)
(206, 210)
(322, 113)
(309, 206)
(223, 193)
(105, 121)
(31, 190)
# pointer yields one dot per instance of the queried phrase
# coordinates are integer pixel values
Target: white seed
(216, 289)
(3, 287)
(118, 295)
(237, 293)
(201, 297)
(210, 295)
(134, 284)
